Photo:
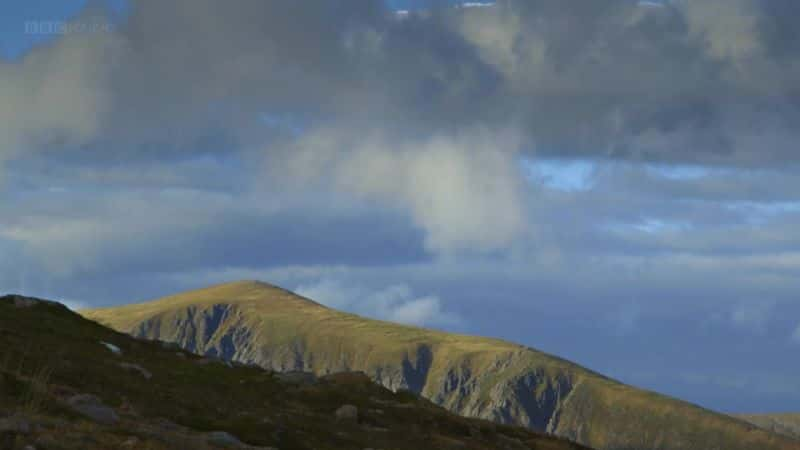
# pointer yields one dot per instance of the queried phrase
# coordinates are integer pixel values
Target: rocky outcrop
(93, 408)
(532, 398)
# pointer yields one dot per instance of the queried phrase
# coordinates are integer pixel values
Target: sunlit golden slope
(258, 323)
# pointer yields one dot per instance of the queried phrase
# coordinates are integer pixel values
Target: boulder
(15, 424)
(224, 439)
(111, 347)
(130, 443)
(347, 413)
(10, 428)
(136, 368)
(92, 408)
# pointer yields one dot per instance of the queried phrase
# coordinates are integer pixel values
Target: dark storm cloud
(285, 85)
(686, 81)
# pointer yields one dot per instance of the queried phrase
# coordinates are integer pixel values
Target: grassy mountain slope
(785, 424)
(146, 395)
(252, 322)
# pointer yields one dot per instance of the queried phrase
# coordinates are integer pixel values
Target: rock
(131, 443)
(112, 348)
(10, 428)
(127, 408)
(94, 409)
(347, 413)
(224, 439)
(48, 423)
(177, 437)
(15, 424)
(136, 368)
(29, 447)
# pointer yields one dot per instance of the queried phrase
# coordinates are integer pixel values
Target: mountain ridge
(68, 383)
(258, 323)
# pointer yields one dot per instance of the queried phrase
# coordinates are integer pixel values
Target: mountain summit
(257, 323)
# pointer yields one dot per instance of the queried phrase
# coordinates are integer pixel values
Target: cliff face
(255, 323)
(530, 397)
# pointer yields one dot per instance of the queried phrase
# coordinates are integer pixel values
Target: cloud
(395, 303)
(57, 95)
(75, 305)
(429, 115)
(691, 81)
(661, 78)
(729, 30)
(162, 230)
(454, 187)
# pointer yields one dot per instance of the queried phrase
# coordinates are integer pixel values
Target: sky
(614, 182)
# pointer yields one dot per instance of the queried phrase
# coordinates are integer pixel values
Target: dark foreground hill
(67, 383)
(256, 323)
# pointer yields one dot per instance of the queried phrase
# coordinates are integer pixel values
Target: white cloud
(57, 93)
(463, 190)
(475, 4)
(420, 311)
(75, 305)
(395, 303)
(66, 237)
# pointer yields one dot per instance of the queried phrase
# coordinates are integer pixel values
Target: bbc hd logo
(61, 27)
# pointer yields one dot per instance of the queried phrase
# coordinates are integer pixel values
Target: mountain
(256, 323)
(67, 383)
(785, 424)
